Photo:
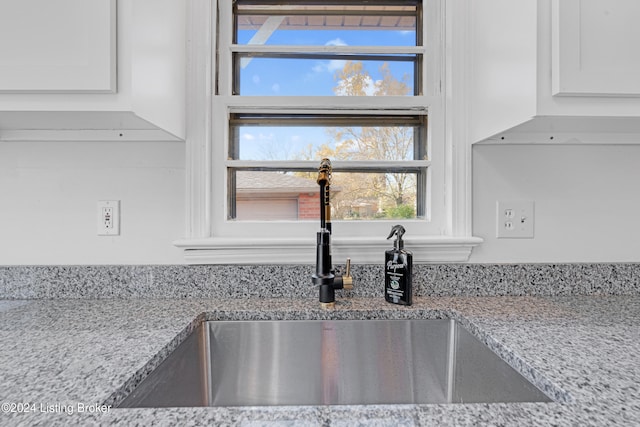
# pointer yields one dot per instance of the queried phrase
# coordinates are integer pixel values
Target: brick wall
(309, 206)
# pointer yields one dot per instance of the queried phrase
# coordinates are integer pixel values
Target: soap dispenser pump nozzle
(398, 230)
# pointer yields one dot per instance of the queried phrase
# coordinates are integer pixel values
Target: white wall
(587, 202)
(48, 195)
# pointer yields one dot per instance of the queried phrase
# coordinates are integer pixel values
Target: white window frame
(444, 236)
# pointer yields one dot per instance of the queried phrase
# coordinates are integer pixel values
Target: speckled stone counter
(62, 356)
(288, 281)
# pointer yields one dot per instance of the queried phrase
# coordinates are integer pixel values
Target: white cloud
(275, 87)
(334, 64)
(267, 136)
(336, 42)
(329, 66)
(248, 136)
(256, 79)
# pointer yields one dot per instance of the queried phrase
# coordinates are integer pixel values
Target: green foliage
(402, 211)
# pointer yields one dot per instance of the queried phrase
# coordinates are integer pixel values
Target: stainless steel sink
(331, 362)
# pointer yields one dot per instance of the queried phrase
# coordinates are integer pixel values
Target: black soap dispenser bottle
(398, 266)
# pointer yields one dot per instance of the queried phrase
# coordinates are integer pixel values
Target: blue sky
(269, 76)
(308, 77)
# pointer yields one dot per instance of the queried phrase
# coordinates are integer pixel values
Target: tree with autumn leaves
(392, 194)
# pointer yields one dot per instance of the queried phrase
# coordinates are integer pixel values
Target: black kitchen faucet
(325, 276)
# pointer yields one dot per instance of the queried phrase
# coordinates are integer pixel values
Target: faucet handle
(347, 279)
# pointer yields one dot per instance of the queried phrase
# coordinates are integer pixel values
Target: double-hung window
(294, 81)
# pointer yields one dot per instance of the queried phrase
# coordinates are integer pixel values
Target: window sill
(303, 251)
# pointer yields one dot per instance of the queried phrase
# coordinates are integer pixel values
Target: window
(334, 49)
(289, 82)
(380, 162)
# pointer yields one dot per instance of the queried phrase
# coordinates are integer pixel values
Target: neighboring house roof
(273, 182)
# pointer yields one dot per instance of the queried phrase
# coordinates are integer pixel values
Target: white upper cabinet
(92, 70)
(58, 46)
(554, 71)
(596, 47)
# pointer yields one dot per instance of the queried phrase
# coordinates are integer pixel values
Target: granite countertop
(81, 354)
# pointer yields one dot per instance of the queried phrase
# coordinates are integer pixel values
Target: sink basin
(331, 362)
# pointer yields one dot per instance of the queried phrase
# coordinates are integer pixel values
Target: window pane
(355, 23)
(373, 195)
(328, 29)
(269, 195)
(326, 75)
(353, 139)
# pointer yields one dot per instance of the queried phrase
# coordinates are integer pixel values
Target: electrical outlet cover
(109, 218)
(514, 219)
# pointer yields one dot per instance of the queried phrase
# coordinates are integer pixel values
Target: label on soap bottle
(397, 278)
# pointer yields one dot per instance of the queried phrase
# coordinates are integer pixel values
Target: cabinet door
(57, 46)
(596, 47)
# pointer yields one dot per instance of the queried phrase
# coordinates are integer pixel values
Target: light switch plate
(514, 219)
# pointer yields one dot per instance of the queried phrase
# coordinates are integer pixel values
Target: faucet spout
(324, 180)
(324, 275)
